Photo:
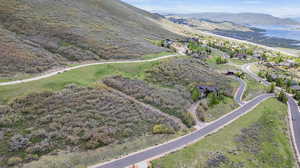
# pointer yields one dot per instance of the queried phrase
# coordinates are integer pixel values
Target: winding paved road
(81, 66)
(181, 142)
(294, 111)
(240, 92)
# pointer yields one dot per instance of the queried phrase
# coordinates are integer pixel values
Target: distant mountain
(207, 25)
(40, 35)
(242, 18)
(296, 19)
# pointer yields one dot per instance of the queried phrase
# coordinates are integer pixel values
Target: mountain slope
(243, 18)
(53, 33)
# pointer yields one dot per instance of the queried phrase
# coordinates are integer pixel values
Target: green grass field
(242, 62)
(86, 76)
(275, 150)
(221, 109)
(19, 77)
(152, 56)
(253, 89)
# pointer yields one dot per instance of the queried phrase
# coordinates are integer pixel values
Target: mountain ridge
(241, 18)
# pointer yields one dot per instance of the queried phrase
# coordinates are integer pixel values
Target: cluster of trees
(282, 97)
(279, 81)
(227, 48)
(196, 47)
(241, 75)
(220, 60)
(215, 98)
(297, 96)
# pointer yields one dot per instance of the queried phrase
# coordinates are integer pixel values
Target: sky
(279, 8)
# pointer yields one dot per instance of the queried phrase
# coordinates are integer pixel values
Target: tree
(288, 83)
(241, 75)
(220, 60)
(282, 97)
(215, 98)
(280, 82)
(272, 88)
(195, 94)
(162, 129)
(297, 95)
(250, 52)
(261, 74)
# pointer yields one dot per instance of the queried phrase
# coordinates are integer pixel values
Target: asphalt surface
(240, 92)
(293, 109)
(81, 66)
(185, 140)
(295, 120)
(246, 68)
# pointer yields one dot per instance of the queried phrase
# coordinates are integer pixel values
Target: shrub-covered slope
(172, 101)
(187, 72)
(49, 33)
(74, 119)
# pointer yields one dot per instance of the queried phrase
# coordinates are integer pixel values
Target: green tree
(250, 52)
(282, 97)
(220, 60)
(297, 95)
(162, 129)
(280, 82)
(195, 94)
(288, 83)
(215, 98)
(272, 88)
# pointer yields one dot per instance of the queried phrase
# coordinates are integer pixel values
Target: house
(202, 55)
(230, 73)
(274, 77)
(167, 43)
(295, 87)
(292, 82)
(205, 90)
(241, 56)
(288, 63)
(269, 64)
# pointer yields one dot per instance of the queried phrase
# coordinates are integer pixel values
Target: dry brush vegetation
(74, 119)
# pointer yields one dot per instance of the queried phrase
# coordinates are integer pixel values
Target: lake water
(287, 32)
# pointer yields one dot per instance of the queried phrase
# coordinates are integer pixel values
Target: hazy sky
(282, 8)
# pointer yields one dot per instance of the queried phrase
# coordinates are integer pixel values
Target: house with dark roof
(296, 88)
(205, 90)
(168, 43)
(230, 73)
(241, 56)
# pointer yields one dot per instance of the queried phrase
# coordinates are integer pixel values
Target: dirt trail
(193, 111)
(175, 119)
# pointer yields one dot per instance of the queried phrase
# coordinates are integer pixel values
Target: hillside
(243, 18)
(72, 120)
(37, 36)
(100, 107)
(207, 25)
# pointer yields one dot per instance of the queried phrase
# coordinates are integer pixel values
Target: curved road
(185, 140)
(240, 92)
(181, 142)
(81, 66)
(294, 111)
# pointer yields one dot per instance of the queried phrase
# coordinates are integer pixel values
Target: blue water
(286, 32)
